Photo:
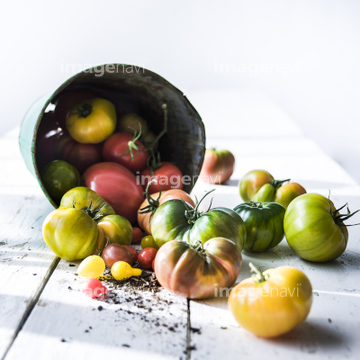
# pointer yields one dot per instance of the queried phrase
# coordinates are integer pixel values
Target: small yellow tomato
(91, 121)
(92, 267)
(271, 303)
(121, 270)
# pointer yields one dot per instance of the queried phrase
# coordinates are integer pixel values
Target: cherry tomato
(272, 303)
(91, 121)
(167, 176)
(91, 267)
(122, 149)
(115, 252)
(59, 177)
(148, 241)
(146, 257)
(218, 166)
(122, 271)
(94, 288)
(137, 235)
(134, 253)
(118, 186)
(81, 156)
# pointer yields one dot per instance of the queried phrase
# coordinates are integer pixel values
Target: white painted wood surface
(45, 316)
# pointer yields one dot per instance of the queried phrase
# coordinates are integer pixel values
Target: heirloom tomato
(58, 177)
(118, 186)
(91, 121)
(117, 229)
(218, 166)
(132, 123)
(125, 149)
(121, 270)
(70, 233)
(314, 228)
(271, 303)
(167, 176)
(91, 267)
(146, 257)
(264, 224)
(152, 202)
(116, 252)
(198, 271)
(260, 185)
(137, 235)
(175, 219)
(85, 199)
(81, 156)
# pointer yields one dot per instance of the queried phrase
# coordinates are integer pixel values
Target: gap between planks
(32, 302)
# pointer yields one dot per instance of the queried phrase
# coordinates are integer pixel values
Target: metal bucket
(129, 88)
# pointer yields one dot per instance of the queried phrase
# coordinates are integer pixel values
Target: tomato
(67, 101)
(148, 241)
(137, 235)
(70, 233)
(177, 220)
(122, 271)
(151, 203)
(167, 176)
(146, 257)
(117, 229)
(272, 303)
(118, 186)
(115, 252)
(218, 166)
(102, 241)
(92, 267)
(91, 121)
(264, 224)
(58, 177)
(87, 200)
(314, 229)
(94, 288)
(198, 271)
(81, 156)
(133, 252)
(260, 185)
(132, 123)
(126, 150)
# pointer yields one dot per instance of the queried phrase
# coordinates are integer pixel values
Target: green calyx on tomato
(315, 229)
(264, 224)
(260, 185)
(177, 220)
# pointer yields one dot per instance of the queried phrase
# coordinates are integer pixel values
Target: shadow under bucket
(131, 89)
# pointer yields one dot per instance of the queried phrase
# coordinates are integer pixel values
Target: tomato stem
(340, 218)
(153, 203)
(193, 214)
(84, 110)
(258, 277)
(277, 183)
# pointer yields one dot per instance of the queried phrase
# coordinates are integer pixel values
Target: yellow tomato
(121, 270)
(91, 121)
(271, 303)
(92, 267)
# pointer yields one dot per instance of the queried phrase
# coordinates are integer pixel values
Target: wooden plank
(65, 323)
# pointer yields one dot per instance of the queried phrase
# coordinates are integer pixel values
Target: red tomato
(167, 176)
(137, 235)
(134, 253)
(81, 156)
(217, 167)
(115, 252)
(146, 257)
(120, 148)
(94, 288)
(116, 185)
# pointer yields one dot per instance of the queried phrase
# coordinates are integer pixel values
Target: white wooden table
(44, 315)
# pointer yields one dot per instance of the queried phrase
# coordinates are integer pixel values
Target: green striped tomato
(264, 224)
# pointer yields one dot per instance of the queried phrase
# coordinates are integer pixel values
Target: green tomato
(148, 241)
(314, 229)
(264, 224)
(58, 177)
(70, 233)
(87, 200)
(178, 220)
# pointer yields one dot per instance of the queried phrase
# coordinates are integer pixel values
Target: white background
(304, 55)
